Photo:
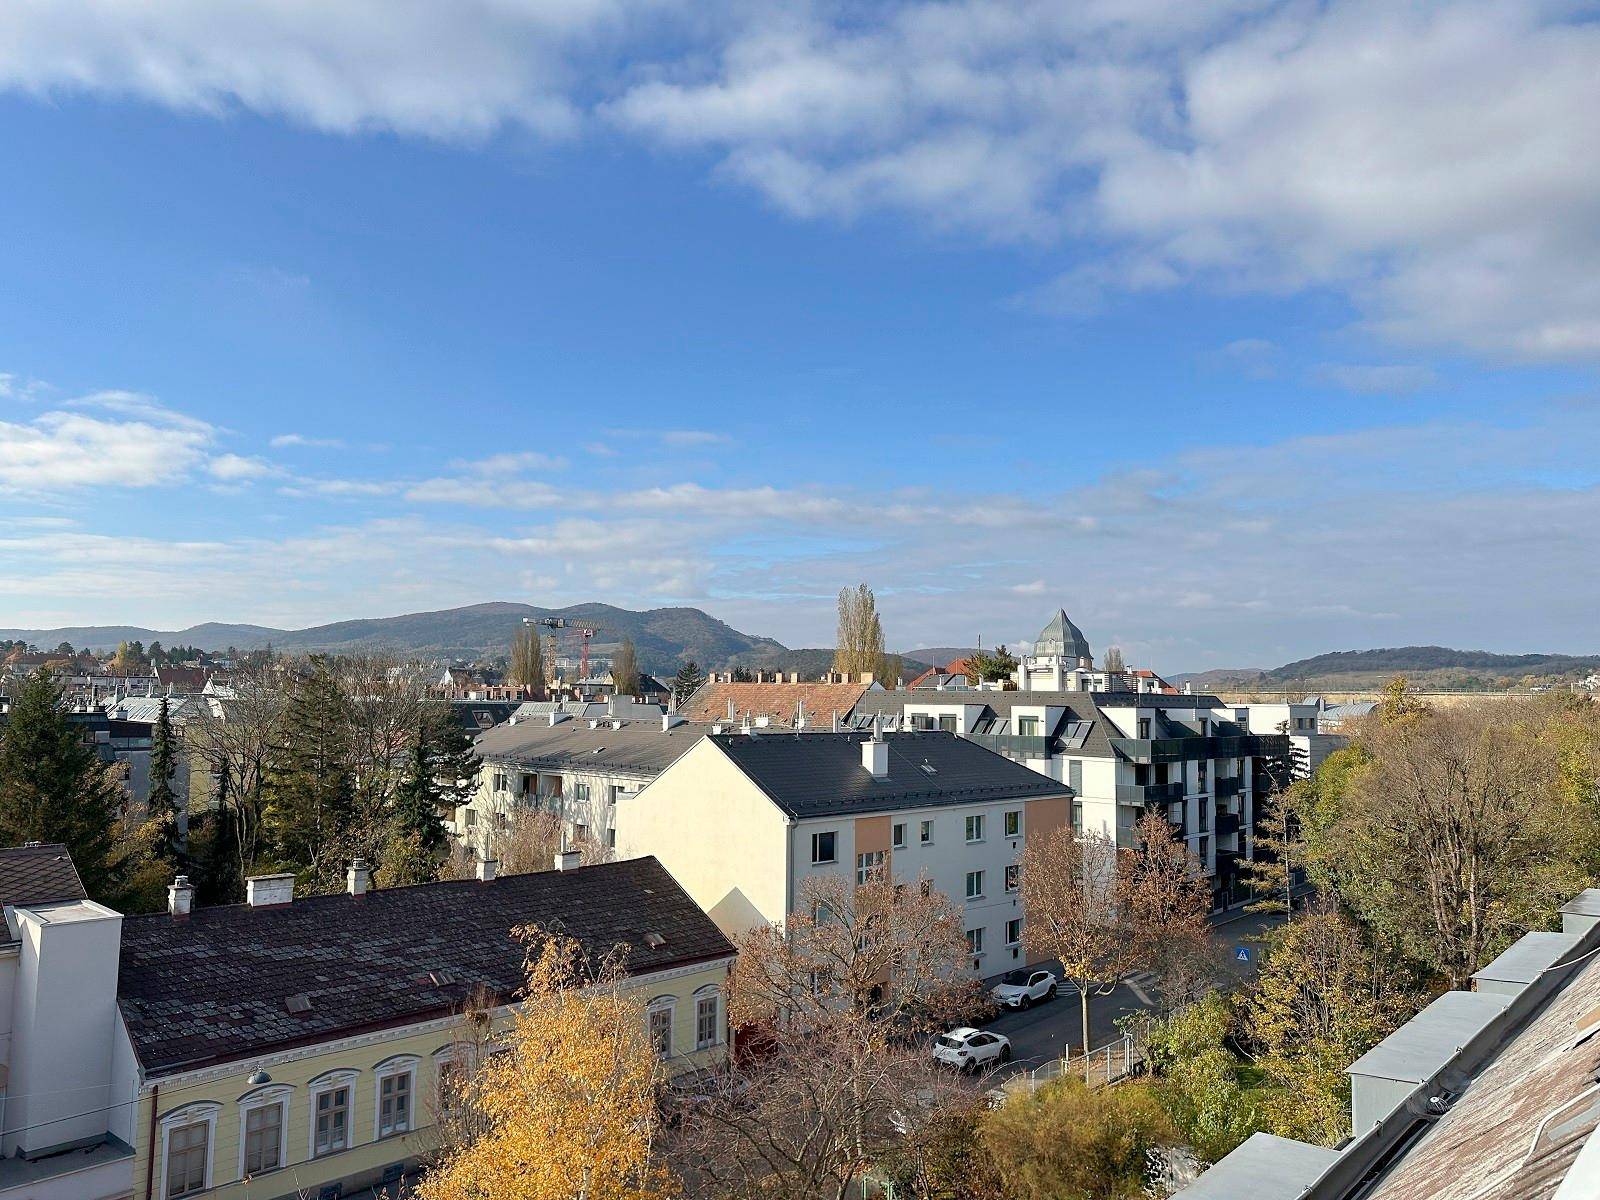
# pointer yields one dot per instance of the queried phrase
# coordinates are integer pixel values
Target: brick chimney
(180, 896)
(358, 878)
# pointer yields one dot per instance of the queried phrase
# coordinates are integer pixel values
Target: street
(1040, 1034)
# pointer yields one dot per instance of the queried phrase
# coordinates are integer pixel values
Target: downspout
(150, 1153)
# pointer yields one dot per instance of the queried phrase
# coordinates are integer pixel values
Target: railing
(1021, 745)
(1111, 1063)
(1179, 749)
(1227, 823)
(1149, 793)
(1229, 787)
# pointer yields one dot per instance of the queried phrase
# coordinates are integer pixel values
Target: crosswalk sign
(1241, 954)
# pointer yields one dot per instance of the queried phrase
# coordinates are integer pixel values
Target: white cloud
(693, 437)
(1036, 588)
(511, 463)
(129, 442)
(284, 441)
(1393, 379)
(237, 468)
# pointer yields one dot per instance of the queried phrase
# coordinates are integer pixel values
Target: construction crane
(584, 631)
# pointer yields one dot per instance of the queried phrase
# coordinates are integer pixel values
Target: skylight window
(299, 1003)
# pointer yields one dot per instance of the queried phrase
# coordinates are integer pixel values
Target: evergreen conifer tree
(687, 681)
(163, 805)
(309, 786)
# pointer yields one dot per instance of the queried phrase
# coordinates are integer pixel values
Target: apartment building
(1120, 754)
(784, 702)
(1486, 1094)
(574, 767)
(743, 818)
(294, 1047)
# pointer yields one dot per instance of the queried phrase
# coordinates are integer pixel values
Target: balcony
(1227, 823)
(1149, 793)
(1229, 787)
(1014, 745)
(1188, 749)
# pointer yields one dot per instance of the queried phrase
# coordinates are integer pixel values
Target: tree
(859, 646)
(53, 788)
(568, 1110)
(991, 668)
(416, 837)
(625, 669)
(527, 659)
(233, 736)
(1068, 1141)
(308, 784)
(383, 704)
(1279, 851)
(1167, 902)
(1199, 1080)
(163, 804)
(453, 753)
(743, 675)
(687, 681)
(1113, 663)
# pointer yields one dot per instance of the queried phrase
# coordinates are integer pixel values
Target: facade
(742, 819)
(574, 767)
(1486, 1094)
(295, 1047)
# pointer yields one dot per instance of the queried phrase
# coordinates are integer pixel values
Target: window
(975, 827)
(925, 833)
(974, 885)
(332, 1127)
(921, 721)
(822, 847)
(661, 1027)
(1014, 931)
(1144, 727)
(1075, 774)
(1205, 726)
(868, 864)
(1013, 874)
(1028, 726)
(947, 722)
(188, 1153)
(975, 942)
(472, 817)
(897, 840)
(707, 1020)
(580, 832)
(261, 1132)
(1077, 816)
(396, 1084)
(1013, 823)
(611, 839)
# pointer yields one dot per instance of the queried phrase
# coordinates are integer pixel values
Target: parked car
(969, 1049)
(1024, 989)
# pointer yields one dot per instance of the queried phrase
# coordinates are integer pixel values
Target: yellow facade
(221, 1097)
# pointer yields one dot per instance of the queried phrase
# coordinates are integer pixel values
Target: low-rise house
(742, 819)
(295, 1046)
(787, 703)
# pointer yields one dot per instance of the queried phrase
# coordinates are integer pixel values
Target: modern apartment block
(296, 1046)
(744, 818)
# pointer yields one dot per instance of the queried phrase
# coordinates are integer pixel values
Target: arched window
(187, 1137)
(661, 1012)
(707, 1017)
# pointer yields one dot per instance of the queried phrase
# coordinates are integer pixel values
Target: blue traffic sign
(1241, 954)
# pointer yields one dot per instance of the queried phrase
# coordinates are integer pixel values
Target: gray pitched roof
(38, 874)
(820, 774)
(636, 749)
(212, 987)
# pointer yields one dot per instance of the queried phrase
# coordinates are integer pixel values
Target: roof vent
(441, 978)
(299, 1004)
(654, 940)
(930, 768)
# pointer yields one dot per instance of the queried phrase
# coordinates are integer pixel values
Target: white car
(969, 1049)
(1024, 989)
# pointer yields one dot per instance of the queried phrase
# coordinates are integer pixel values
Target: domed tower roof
(1063, 639)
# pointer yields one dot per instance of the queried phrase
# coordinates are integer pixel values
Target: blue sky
(1243, 334)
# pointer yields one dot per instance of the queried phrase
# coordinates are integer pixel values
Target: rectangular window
(1013, 874)
(580, 791)
(925, 832)
(974, 941)
(1013, 823)
(868, 864)
(1014, 931)
(947, 722)
(1144, 727)
(1028, 726)
(898, 837)
(706, 1022)
(187, 1150)
(472, 817)
(1201, 771)
(1077, 817)
(974, 885)
(394, 1104)
(975, 827)
(333, 1121)
(1075, 775)
(263, 1139)
(822, 847)
(921, 721)
(661, 1030)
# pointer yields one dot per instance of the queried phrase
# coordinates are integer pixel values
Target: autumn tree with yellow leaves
(565, 1109)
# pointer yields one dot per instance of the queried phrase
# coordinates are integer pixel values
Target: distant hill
(812, 662)
(1431, 666)
(665, 637)
(941, 656)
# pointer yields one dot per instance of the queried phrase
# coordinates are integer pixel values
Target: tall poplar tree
(625, 669)
(53, 788)
(527, 659)
(859, 646)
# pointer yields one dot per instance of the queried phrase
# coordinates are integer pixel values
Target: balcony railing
(1229, 787)
(1227, 823)
(1183, 749)
(1014, 745)
(1149, 793)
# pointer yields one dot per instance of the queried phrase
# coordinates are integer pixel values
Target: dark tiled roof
(38, 875)
(640, 748)
(212, 987)
(820, 774)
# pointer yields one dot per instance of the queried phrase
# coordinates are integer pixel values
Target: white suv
(968, 1049)
(1023, 989)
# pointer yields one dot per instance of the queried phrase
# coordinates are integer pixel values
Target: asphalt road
(1040, 1034)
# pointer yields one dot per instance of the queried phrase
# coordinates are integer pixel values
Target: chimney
(180, 896)
(866, 678)
(569, 860)
(670, 720)
(557, 717)
(358, 879)
(875, 753)
(264, 891)
(794, 676)
(487, 868)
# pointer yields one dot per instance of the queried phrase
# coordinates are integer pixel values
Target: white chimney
(866, 677)
(263, 891)
(875, 756)
(180, 896)
(670, 720)
(487, 868)
(569, 860)
(358, 878)
(557, 717)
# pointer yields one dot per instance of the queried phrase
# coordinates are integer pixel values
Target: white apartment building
(743, 819)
